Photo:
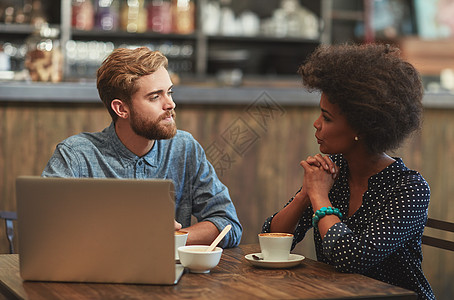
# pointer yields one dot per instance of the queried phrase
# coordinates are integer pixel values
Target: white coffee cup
(180, 240)
(275, 246)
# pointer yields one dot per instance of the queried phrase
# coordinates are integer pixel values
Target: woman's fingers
(324, 162)
(311, 160)
(316, 179)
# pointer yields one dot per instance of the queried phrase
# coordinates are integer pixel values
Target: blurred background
(223, 38)
(234, 64)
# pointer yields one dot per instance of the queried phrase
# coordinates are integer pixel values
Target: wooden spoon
(218, 238)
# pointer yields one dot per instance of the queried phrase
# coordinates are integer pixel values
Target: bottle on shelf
(82, 14)
(22, 12)
(183, 16)
(159, 16)
(107, 14)
(211, 16)
(7, 13)
(44, 59)
(133, 16)
(37, 16)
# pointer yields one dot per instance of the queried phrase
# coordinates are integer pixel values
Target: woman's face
(333, 133)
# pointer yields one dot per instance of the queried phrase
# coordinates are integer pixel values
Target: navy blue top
(198, 191)
(382, 239)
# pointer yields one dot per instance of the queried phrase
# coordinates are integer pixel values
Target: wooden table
(234, 278)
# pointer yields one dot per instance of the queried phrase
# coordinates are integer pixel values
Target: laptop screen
(96, 230)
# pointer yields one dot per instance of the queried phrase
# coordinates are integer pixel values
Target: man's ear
(120, 108)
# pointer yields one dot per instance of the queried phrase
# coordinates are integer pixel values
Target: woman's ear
(120, 108)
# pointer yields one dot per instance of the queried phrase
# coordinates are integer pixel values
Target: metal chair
(9, 217)
(438, 242)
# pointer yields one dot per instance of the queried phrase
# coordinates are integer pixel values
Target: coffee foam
(180, 232)
(276, 234)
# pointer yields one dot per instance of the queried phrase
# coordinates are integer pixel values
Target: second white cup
(275, 246)
(180, 240)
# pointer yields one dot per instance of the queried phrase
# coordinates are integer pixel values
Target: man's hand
(177, 225)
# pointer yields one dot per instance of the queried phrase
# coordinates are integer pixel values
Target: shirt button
(140, 163)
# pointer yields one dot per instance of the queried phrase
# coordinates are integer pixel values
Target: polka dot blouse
(382, 239)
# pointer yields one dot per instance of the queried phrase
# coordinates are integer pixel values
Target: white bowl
(197, 260)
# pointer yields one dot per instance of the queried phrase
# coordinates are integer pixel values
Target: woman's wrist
(287, 219)
(304, 202)
(319, 200)
(323, 212)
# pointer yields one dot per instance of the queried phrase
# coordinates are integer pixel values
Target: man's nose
(169, 104)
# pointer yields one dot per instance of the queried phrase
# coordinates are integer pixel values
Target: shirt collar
(117, 145)
(151, 156)
(124, 152)
(393, 169)
(390, 172)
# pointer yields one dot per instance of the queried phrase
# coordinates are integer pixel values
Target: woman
(370, 209)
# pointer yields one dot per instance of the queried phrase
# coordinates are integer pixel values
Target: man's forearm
(202, 233)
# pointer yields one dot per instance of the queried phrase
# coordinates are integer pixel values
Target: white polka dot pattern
(382, 239)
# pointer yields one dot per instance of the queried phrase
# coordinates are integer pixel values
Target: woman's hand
(324, 162)
(319, 168)
(319, 175)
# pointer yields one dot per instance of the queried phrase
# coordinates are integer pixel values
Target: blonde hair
(119, 71)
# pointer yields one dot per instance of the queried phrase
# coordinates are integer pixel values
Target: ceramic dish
(293, 260)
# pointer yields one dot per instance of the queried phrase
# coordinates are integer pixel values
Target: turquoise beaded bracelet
(323, 212)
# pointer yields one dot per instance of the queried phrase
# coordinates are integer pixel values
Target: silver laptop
(96, 230)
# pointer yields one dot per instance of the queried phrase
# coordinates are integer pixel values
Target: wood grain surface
(233, 278)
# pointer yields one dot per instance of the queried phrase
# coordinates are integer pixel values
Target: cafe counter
(283, 92)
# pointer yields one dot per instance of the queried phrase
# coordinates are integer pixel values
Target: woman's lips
(318, 140)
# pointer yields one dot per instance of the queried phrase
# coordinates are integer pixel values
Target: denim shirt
(198, 191)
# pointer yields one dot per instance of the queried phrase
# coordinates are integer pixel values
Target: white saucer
(293, 260)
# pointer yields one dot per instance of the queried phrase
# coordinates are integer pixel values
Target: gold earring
(356, 138)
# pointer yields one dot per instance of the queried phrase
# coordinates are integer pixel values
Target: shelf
(69, 92)
(101, 34)
(24, 29)
(347, 15)
(96, 33)
(261, 39)
(211, 94)
(268, 54)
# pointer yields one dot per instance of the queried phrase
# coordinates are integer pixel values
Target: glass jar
(160, 16)
(133, 16)
(183, 16)
(106, 15)
(83, 14)
(44, 59)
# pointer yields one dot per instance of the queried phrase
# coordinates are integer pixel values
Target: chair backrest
(436, 241)
(9, 217)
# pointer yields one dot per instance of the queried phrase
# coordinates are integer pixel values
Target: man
(143, 142)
